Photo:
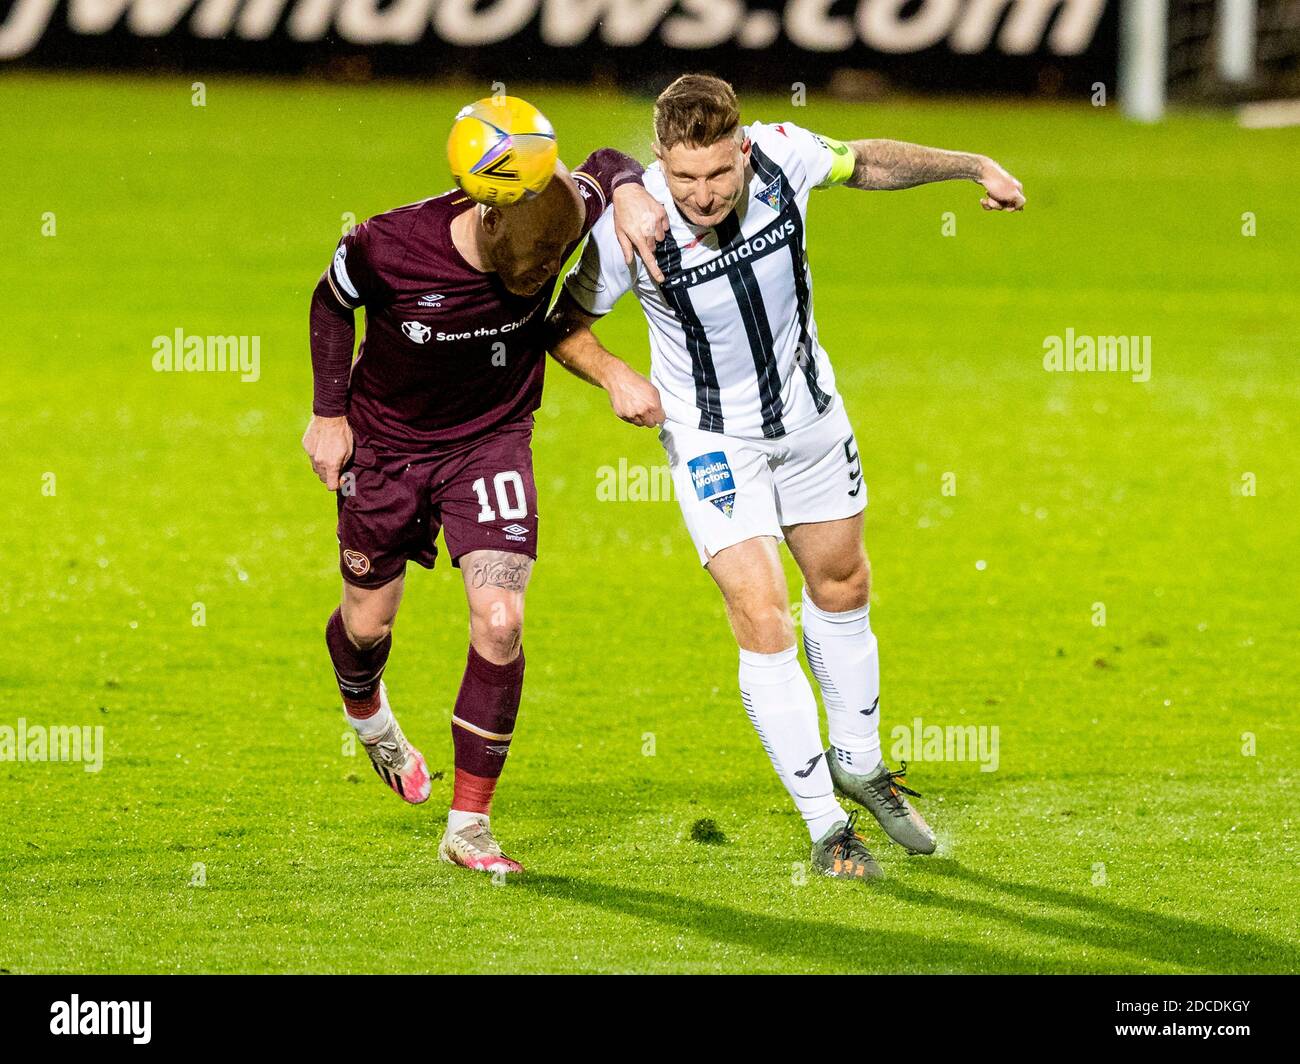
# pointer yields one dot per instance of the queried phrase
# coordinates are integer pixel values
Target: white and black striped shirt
(733, 340)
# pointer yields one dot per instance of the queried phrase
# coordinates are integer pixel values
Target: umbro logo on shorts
(358, 564)
(417, 331)
(515, 532)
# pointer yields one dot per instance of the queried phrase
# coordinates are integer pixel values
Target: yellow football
(501, 150)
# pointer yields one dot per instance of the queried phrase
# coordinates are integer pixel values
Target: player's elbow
(554, 332)
(563, 327)
(325, 302)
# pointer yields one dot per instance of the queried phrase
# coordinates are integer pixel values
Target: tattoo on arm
(509, 572)
(894, 164)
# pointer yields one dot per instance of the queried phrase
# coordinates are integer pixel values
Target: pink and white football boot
(396, 761)
(474, 846)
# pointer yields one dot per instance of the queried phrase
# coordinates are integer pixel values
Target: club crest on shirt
(711, 475)
(771, 195)
(416, 331)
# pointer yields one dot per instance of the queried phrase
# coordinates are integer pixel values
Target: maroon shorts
(480, 494)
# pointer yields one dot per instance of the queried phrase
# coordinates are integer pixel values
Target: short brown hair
(698, 110)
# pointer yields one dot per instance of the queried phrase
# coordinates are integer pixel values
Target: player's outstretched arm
(575, 347)
(894, 164)
(328, 439)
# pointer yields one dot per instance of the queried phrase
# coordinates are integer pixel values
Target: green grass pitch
(1142, 817)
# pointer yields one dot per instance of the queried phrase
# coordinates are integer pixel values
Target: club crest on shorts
(711, 475)
(358, 564)
(417, 331)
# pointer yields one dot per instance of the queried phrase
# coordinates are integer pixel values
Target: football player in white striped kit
(758, 441)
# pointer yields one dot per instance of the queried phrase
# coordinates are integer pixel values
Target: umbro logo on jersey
(771, 195)
(416, 331)
(433, 299)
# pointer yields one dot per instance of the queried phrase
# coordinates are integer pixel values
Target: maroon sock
(481, 726)
(357, 671)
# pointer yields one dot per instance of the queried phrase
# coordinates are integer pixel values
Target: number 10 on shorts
(509, 490)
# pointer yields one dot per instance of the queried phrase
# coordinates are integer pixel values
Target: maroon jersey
(449, 353)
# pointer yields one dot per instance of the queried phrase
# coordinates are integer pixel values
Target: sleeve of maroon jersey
(353, 275)
(354, 279)
(599, 175)
(332, 337)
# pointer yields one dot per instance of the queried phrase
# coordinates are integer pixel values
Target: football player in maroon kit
(430, 429)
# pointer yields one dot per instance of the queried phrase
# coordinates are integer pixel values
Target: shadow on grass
(1144, 935)
(829, 945)
(1093, 921)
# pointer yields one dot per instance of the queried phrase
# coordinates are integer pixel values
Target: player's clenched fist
(1005, 193)
(328, 443)
(634, 398)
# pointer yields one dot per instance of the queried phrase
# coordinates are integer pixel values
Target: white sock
(369, 727)
(842, 654)
(458, 818)
(782, 708)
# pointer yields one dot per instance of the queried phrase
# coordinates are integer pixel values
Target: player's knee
(499, 645)
(365, 628)
(849, 588)
(497, 630)
(365, 632)
(763, 626)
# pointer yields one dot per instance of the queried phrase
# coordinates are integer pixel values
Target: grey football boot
(881, 792)
(842, 853)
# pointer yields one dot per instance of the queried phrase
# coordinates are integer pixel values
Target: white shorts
(732, 489)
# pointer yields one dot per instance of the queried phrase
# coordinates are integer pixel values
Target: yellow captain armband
(842, 161)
